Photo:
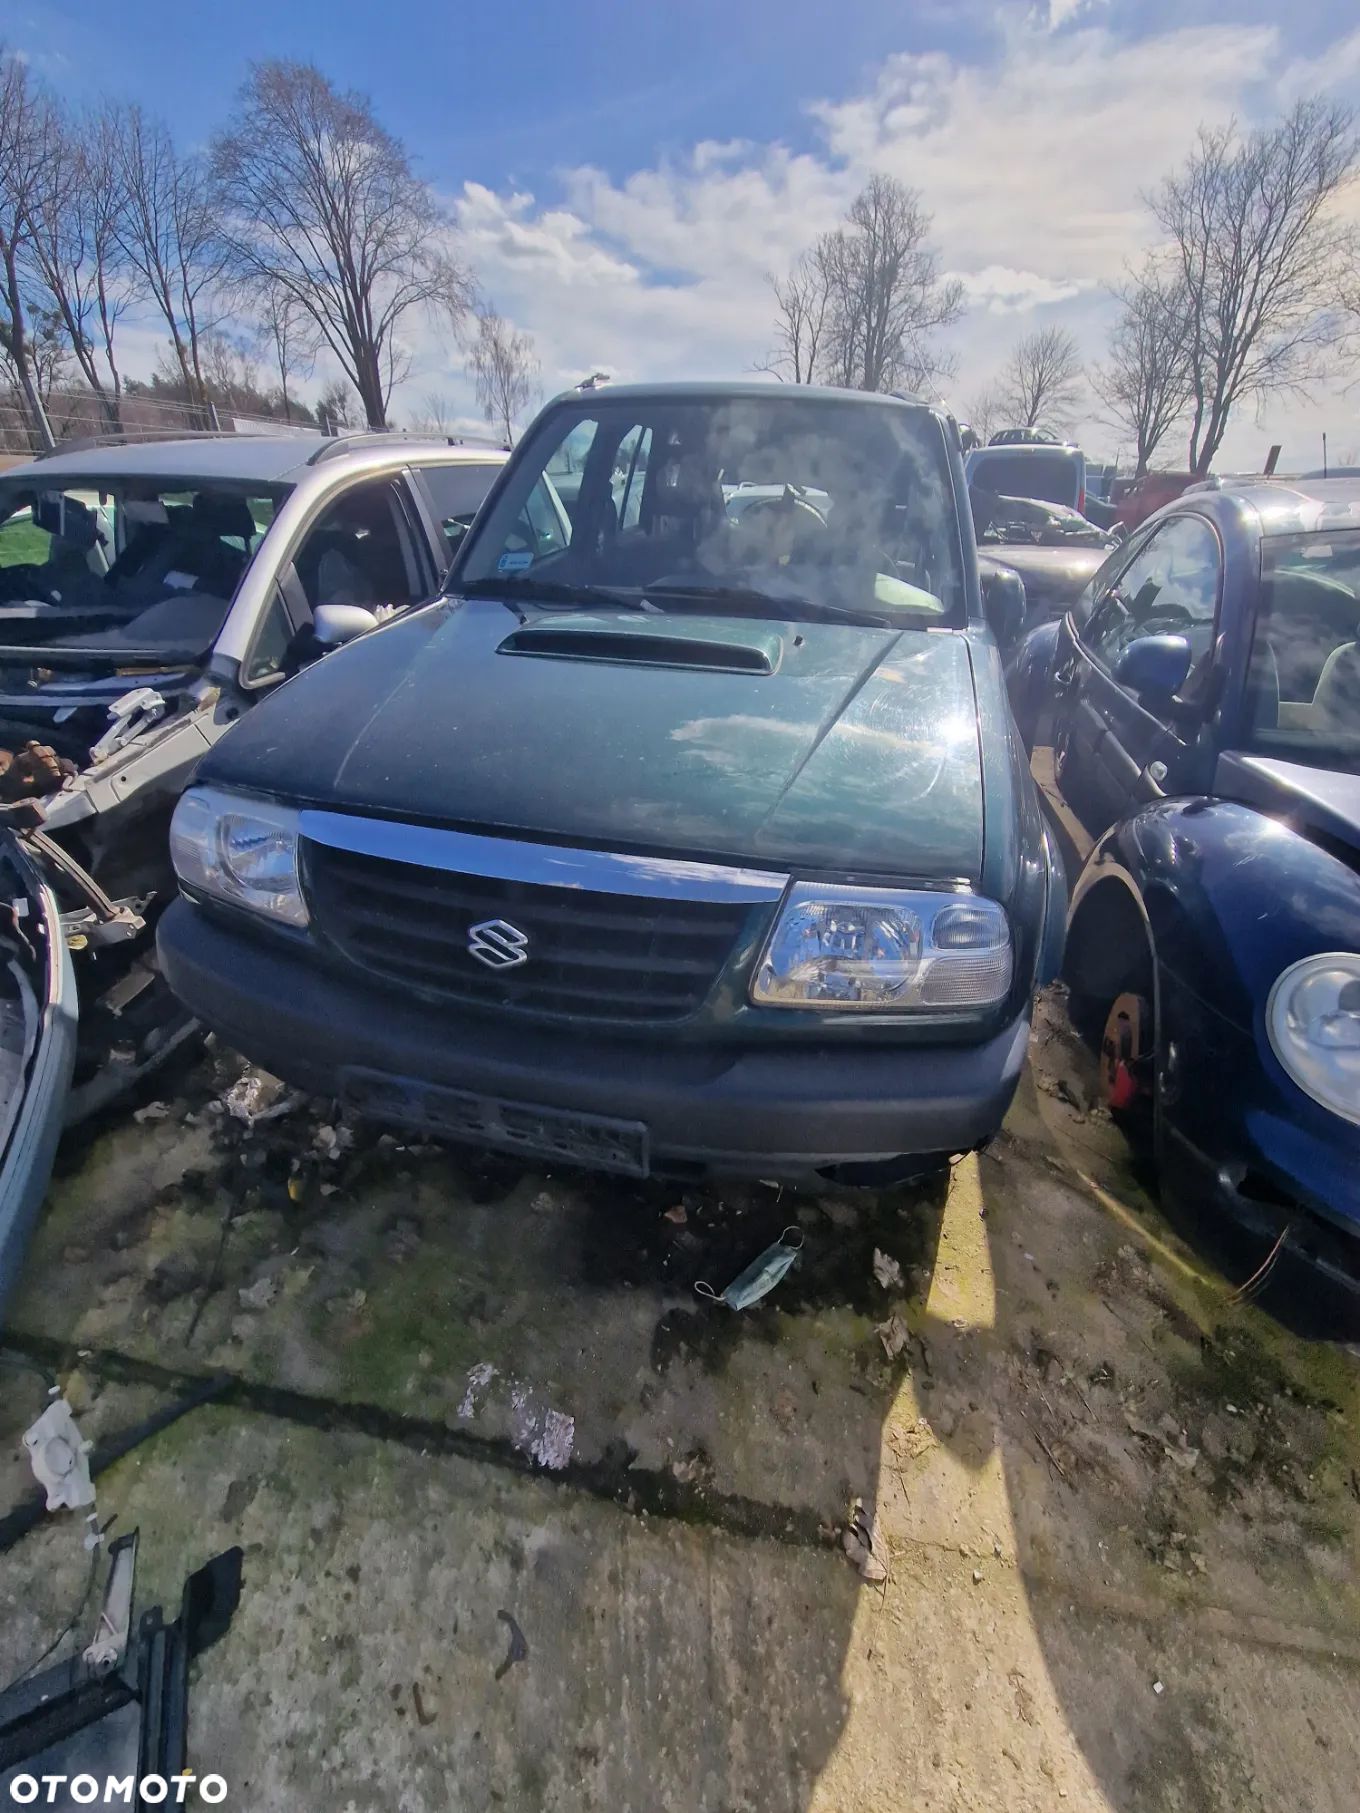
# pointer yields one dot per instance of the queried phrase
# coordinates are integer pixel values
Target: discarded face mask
(760, 1276)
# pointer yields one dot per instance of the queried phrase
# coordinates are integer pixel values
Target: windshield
(838, 505)
(1303, 684)
(148, 562)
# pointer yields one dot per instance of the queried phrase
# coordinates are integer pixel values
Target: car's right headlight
(1313, 1022)
(239, 850)
(885, 950)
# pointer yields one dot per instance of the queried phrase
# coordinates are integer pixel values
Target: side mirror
(333, 624)
(1154, 668)
(1003, 600)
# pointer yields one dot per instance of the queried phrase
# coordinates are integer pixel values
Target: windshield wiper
(772, 604)
(553, 591)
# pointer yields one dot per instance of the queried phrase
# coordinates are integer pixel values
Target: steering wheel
(1168, 618)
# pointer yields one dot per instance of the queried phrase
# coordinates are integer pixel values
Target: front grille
(588, 955)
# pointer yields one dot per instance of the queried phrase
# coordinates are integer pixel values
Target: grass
(23, 544)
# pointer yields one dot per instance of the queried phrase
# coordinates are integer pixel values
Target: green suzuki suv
(687, 831)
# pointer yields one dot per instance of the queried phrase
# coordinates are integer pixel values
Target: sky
(625, 179)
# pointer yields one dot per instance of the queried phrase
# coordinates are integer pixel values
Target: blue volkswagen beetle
(1194, 724)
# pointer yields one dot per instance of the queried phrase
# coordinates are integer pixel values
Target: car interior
(162, 561)
(1304, 676)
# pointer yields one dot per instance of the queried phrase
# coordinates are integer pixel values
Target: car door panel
(1111, 753)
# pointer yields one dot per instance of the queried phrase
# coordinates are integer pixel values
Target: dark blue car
(1194, 723)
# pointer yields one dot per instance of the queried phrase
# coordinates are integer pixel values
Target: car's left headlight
(239, 850)
(884, 950)
(1313, 1021)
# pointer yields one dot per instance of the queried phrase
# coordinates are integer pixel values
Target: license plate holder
(560, 1134)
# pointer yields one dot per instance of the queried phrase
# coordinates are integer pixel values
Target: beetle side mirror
(1003, 600)
(333, 624)
(1154, 668)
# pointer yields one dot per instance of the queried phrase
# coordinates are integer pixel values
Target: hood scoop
(709, 643)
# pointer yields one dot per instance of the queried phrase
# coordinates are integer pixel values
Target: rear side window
(1055, 477)
(457, 493)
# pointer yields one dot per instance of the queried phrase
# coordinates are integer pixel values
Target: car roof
(1295, 506)
(1009, 450)
(260, 458)
(746, 388)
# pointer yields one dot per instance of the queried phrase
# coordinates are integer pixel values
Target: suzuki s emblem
(498, 944)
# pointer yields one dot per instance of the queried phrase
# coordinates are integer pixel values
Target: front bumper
(791, 1113)
(1265, 1158)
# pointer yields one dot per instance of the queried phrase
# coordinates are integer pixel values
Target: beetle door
(1114, 750)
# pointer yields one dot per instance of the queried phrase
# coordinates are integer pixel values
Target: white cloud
(1057, 13)
(1002, 291)
(1033, 163)
(1033, 166)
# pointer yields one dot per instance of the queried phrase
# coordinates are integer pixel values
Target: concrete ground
(1118, 1513)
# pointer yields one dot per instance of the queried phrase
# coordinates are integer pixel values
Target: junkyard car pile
(690, 829)
(150, 596)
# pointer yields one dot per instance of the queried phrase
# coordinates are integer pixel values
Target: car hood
(810, 745)
(1057, 574)
(1319, 800)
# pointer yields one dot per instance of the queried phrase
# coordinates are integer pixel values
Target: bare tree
(1041, 384)
(859, 307)
(505, 370)
(76, 250)
(437, 414)
(26, 151)
(292, 337)
(887, 293)
(1145, 384)
(803, 301)
(322, 203)
(1262, 253)
(168, 229)
(983, 414)
(49, 354)
(335, 406)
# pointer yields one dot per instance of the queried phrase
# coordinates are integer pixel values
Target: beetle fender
(1229, 897)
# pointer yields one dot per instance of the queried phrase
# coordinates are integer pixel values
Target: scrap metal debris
(32, 772)
(552, 1447)
(478, 1378)
(519, 1648)
(260, 1294)
(257, 1097)
(59, 1457)
(123, 1703)
(887, 1270)
(894, 1334)
(862, 1543)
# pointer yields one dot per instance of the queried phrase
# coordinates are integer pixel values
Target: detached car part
(119, 1708)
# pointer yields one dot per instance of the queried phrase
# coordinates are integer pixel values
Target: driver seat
(1336, 703)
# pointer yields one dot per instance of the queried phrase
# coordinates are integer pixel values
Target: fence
(76, 415)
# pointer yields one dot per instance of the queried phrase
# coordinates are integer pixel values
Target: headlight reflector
(243, 851)
(884, 950)
(1313, 1022)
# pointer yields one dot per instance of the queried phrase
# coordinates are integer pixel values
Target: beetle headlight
(881, 950)
(1313, 1022)
(242, 851)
